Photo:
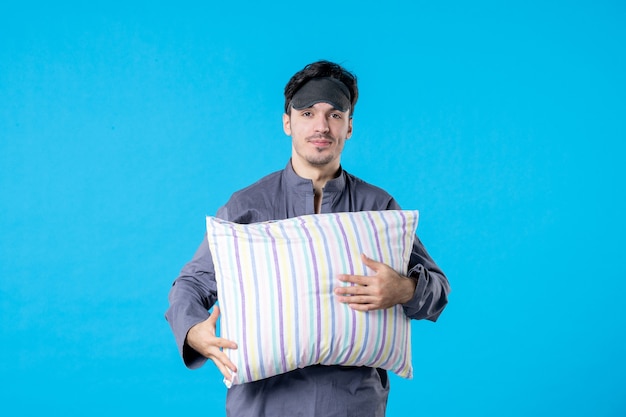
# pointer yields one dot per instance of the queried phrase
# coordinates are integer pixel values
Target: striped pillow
(275, 284)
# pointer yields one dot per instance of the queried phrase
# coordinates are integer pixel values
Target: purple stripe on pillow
(346, 244)
(386, 318)
(404, 225)
(358, 223)
(406, 359)
(381, 258)
(331, 305)
(316, 281)
(389, 249)
(294, 281)
(370, 243)
(243, 304)
(255, 277)
(342, 326)
(382, 347)
(304, 329)
(379, 249)
(351, 272)
(280, 296)
(393, 337)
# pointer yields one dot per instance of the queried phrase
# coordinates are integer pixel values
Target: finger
(224, 343)
(358, 289)
(344, 291)
(224, 370)
(353, 279)
(363, 307)
(349, 291)
(221, 358)
(369, 262)
(212, 349)
(354, 299)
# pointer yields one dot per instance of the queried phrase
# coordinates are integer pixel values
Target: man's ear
(349, 135)
(287, 124)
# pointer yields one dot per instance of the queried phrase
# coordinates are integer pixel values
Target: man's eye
(306, 114)
(335, 115)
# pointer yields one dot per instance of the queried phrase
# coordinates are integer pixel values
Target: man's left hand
(384, 289)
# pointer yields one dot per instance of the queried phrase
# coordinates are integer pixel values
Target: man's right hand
(203, 340)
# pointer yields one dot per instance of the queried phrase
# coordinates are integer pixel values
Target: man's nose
(321, 123)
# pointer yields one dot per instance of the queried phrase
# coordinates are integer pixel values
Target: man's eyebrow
(332, 109)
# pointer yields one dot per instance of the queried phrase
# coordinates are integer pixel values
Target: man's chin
(320, 161)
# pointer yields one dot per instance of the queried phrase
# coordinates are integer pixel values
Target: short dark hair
(322, 69)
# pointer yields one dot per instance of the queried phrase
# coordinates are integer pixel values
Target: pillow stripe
(375, 239)
(382, 349)
(268, 293)
(254, 277)
(316, 304)
(327, 309)
(275, 285)
(405, 333)
(268, 304)
(340, 314)
(382, 315)
(346, 244)
(292, 339)
(305, 281)
(306, 264)
(368, 247)
(351, 312)
(364, 246)
(372, 250)
(244, 302)
(280, 294)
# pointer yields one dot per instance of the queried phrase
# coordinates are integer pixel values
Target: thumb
(215, 314)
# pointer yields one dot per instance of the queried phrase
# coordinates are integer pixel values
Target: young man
(319, 104)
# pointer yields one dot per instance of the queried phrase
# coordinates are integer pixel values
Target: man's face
(318, 134)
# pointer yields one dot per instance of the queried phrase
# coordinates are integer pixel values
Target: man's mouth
(320, 141)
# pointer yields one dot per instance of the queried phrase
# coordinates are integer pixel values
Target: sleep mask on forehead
(322, 90)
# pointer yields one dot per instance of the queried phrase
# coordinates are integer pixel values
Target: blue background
(123, 124)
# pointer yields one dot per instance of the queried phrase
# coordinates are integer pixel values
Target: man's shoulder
(364, 186)
(262, 185)
(368, 196)
(252, 203)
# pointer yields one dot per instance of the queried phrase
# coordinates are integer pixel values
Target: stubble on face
(323, 156)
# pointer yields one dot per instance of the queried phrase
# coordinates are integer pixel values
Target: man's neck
(320, 175)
